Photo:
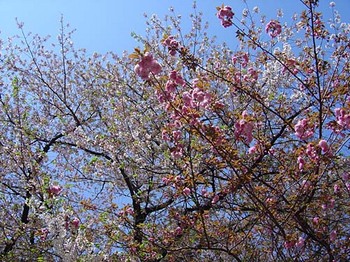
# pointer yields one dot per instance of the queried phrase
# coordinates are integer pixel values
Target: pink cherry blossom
(244, 128)
(172, 44)
(75, 222)
(43, 234)
(343, 119)
(333, 236)
(301, 163)
(178, 231)
(146, 66)
(55, 190)
(323, 145)
(177, 135)
(253, 149)
(186, 191)
(166, 180)
(336, 189)
(196, 98)
(177, 78)
(303, 129)
(300, 243)
(312, 153)
(273, 28)
(241, 58)
(225, 14)
(215, 199)
(289, 244)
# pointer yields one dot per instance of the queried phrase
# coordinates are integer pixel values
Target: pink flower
(204, 192)
(172, 44)
(306, 185)
(75, 222)
(289, 244)
(186, 191)
(177, 78)
(300, 243)
(253, 149)
(241, 58)
(311, 152)
(316, 220)
(273, 28)
(343, 119)
(166, 180)
(146, 66)
(333, 236)
(244, 128)
(323, 145)
(301, 163)
(177, 135)
(215, 199)
(225, 14)
(336, 189)
(303, 129)
(55, 190)
(178, 231)
(165, 135)
(43, 234)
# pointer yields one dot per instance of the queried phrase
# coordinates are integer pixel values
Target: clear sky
(105, 25)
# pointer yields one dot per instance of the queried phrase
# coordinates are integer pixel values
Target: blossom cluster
(304, 129)
(244, 128)
(147, 66)
(273, 28)
(225, 14)
(172, 44)
(343, 119)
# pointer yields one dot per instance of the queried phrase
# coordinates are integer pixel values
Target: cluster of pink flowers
(329, 204)
(172, 44)
(301, 163)
(291, 66)
(323, 144)
(343, 119)
(186, 191)
(251, 76)
(311, 152)
(241, 58)
(333, 236)
(148, 65)
(44, 232)
(273, 28)
(297, 244)
(225, 14)
(196, 98)
(74, 223)
(303, 129)
(167, 95)
(244, 128)
(177, 151)
(54, 190)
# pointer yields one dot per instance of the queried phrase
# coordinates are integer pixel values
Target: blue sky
(105, 25)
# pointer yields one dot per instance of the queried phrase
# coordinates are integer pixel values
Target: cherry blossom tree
(186, 149)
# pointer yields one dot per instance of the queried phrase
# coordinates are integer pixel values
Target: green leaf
(15, 87)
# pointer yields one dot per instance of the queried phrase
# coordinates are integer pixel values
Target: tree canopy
(184, 150)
